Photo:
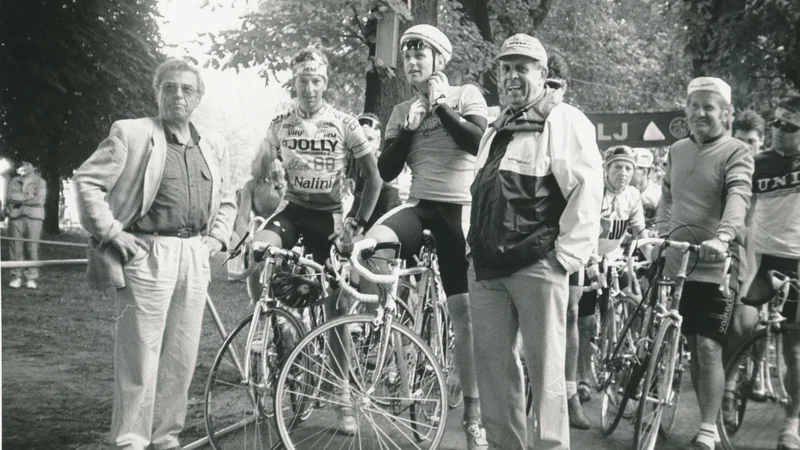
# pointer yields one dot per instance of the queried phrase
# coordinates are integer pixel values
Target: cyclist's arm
(738, 184)
(466, 131)
(396, 148)
(356, 144)
(372, 186)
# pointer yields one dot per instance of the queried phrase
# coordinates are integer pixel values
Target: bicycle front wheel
(759, 420)
(395, 390)
(657, 391)
(239, 406)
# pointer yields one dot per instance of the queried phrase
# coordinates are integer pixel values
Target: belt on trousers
(183, 233)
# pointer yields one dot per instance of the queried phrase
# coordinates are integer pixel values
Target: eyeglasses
(414, 44)
(785, 126)
(172, 88)
(370, 122)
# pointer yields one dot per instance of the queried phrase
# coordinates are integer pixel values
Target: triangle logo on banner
(652, 133)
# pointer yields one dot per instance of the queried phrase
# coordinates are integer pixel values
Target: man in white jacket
(536, 205)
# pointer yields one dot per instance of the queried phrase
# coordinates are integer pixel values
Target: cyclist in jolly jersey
(312, 143)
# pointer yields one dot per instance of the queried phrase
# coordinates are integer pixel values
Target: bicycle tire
(624, 375)
(425, 377)
(441, 342)
(229, 402)
(758, 423)
(657, 387)
(671, 410)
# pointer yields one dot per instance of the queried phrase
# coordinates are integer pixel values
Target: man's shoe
(345, 420)
(16, 283)
(577, 419)
(476, 435)
(696, 445)
(30, 284)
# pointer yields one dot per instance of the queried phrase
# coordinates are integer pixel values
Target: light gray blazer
(118, 183)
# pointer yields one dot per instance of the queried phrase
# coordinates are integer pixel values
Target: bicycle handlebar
(685, 247)
(363, 245)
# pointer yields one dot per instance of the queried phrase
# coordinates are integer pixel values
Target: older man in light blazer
(157, 201)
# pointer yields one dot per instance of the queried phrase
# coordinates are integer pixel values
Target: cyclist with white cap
(437, 135)
(707, 186)
(650, 192)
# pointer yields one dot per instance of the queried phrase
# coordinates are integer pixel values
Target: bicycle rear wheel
(621, 374)
(758, 424)
(407, 412)
(239, 414)
(657, 390)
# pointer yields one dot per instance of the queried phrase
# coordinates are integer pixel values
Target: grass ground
(57, 349)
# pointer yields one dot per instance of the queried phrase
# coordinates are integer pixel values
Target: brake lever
(236, 250)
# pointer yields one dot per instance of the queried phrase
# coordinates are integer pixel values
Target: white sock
(572, 389)
(791, 424)
(706, 435)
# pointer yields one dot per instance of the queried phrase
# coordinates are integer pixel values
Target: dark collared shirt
(183, 199)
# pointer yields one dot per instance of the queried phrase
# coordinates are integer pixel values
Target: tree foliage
(70, 68)
(754, 44)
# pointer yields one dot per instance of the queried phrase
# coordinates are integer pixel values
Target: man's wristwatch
(361, 222)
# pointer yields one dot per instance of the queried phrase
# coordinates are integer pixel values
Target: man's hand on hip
(213, 245)
(127, 245)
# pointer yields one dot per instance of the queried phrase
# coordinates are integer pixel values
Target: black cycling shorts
(444, 220)
(314, 226)
(706, 311)
(787, 266)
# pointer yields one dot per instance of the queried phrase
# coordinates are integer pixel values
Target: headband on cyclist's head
(311, 67)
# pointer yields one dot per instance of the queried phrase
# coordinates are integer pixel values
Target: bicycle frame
(265, 300)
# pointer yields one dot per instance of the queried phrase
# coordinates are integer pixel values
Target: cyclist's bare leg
(339, 339)
(587, 328)
(791, 356)
(577, 418)
(743, 323)
(463, 351)
(708, 375)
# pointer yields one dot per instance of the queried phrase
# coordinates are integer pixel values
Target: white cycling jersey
(313, 150)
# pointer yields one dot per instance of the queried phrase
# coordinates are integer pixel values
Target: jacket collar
(531, 117)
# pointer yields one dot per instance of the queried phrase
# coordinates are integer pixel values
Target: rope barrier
(66, 244)
(39, 264)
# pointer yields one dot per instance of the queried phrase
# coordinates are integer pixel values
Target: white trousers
(159, 320)
(531, 303)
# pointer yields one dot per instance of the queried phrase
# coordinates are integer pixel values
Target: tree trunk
(384, 90)
(51, 203)
(477, 11)
(50, 171)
